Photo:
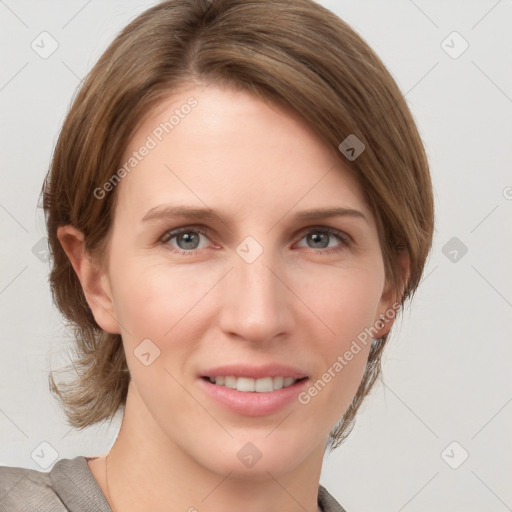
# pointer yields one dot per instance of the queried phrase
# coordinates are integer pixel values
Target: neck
(148, 472)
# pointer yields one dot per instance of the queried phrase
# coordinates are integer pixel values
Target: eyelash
(344, 239)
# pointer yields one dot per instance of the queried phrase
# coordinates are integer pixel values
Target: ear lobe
(390, 301)
(95, 283)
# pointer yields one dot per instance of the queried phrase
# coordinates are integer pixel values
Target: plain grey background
(435, 435)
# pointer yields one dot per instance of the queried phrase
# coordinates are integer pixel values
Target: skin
(295, 304)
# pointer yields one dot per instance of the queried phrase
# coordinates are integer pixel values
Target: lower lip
(253, 403)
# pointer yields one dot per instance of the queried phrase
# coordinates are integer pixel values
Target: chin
(252, 458)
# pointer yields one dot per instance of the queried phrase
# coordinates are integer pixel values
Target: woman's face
(250, 287)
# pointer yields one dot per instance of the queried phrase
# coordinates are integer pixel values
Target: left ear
(390, 299)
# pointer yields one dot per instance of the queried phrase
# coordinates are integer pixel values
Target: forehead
(229, 148)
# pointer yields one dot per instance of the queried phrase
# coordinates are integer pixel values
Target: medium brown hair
(298, 54)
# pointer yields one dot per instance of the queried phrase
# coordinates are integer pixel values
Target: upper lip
(254, 372)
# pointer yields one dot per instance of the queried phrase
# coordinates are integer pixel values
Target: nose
(256, 304)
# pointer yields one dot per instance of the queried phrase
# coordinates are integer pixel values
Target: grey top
(71, 487)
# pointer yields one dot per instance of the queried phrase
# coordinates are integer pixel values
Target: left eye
(320, 236)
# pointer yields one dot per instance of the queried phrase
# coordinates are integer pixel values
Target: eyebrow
(163, 212)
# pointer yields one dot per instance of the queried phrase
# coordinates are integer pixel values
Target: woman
(238, 206)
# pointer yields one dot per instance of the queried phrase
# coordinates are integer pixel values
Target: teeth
(278, 382)
(288, 381)
(246, 384)
(229, 382)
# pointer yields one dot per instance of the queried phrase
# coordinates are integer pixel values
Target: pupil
(316, 238)
(189, 239)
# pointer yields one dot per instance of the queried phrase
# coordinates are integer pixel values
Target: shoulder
(327, 502)
(27, 489)
(68, 486)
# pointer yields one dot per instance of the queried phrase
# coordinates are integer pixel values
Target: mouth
(250, 385)
(258, 395)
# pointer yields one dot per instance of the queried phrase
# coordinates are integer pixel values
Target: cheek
(156, 303)
(344, 301)
(151, 299)
(345, 308)
(335, 305)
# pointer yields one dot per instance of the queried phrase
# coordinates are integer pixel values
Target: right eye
(187, 239)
